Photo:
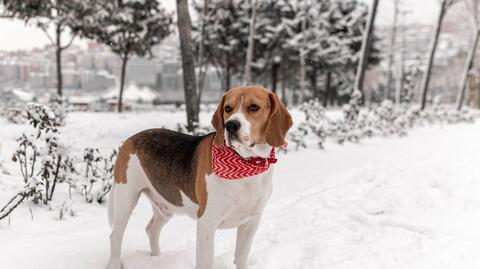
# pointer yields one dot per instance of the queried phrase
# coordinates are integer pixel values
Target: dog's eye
(228, 109)
(253, 107)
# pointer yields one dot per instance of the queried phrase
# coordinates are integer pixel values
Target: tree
(302, 51)
(46, 14)
(201, 55)
(128, 28)
(364, 51)
(444, 5)
(226, 37)
(473, 7)
(392, 50)
(251, 42)
(188, 63)
(274, 26)
(333, 37)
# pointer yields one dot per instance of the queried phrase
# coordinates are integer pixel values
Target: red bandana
(227, 164)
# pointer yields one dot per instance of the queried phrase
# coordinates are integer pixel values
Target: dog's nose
(232, 126)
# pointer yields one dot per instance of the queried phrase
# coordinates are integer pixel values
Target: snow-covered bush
(386, 119)
(97, 174)
(14, 112)
(43, 148)
(41, 158)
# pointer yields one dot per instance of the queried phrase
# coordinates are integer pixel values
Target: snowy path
(409, 202)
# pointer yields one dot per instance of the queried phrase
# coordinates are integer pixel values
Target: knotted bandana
(227, 164)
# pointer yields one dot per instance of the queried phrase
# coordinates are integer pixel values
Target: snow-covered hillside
(410, 202)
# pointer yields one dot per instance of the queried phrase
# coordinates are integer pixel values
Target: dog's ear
(218, 124)
(278, 123)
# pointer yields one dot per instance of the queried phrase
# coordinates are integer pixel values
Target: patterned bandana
(227, 164)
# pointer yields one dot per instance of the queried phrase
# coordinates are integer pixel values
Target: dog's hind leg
(124, 199)
(154, 228)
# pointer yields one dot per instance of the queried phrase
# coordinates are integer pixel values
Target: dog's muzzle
(232, 127)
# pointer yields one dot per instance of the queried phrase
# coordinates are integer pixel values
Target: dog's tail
(110, 205)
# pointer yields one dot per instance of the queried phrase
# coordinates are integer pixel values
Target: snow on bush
(39, 156)
(386, 119)
(14, 112)
(97, 174)
(45, 162)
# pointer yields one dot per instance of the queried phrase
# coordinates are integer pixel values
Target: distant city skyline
(16, 35)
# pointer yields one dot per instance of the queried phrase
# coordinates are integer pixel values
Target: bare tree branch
(45, 30)
(69, 42)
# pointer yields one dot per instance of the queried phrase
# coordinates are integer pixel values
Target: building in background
(95, 70)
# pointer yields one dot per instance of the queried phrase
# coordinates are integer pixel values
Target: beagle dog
(174, 171)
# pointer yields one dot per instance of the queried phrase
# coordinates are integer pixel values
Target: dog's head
(251, 115)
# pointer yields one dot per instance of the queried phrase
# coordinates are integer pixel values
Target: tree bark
(365, 49)
(188, 63)
(251, 42)
(284, 84)
(468, 65)
(313, 83)
(302, 52)
(334, 97)
(201, 56)
(122, 83)
(228, 82)
(392, 51)
(328, 88)
(58, 56)
(399, 81)
(274, 77)
(431, 54)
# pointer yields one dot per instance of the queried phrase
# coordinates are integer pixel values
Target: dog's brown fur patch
(172, 161)
(203, 159)
(121, 163)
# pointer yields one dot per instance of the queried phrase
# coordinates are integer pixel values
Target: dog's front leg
(245, 234)
(205, 244)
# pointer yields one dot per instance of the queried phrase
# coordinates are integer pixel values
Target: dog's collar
(228, 164)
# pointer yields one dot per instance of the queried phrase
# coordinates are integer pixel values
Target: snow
(408, 202)
(133, 93)
(23, 95)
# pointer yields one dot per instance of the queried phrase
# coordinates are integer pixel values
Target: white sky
(15, 35)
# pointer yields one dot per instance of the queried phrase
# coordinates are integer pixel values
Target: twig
(16, 201)
(55, 178)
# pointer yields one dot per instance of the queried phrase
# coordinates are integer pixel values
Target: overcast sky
(16, 35)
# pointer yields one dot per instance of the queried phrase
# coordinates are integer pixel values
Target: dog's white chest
(233, 202)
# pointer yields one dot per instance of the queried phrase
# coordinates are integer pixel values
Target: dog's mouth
(233, 141)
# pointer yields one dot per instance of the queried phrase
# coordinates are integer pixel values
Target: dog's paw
(155, 252)
(114, 265)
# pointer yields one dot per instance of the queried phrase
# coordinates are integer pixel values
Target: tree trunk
(365, 49)
(431, 54)
(313, 83)
(302, 52)
(201, 56)
(188, 63)
(274, 77)
(284, 84)
(251, 42)
(334, 96)
(328, 88)
(468, 65)
(399, 81)
(392, 51)
(122, 83)
(228, 82)
(58, 56)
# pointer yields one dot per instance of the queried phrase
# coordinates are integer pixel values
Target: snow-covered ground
(410, 202)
